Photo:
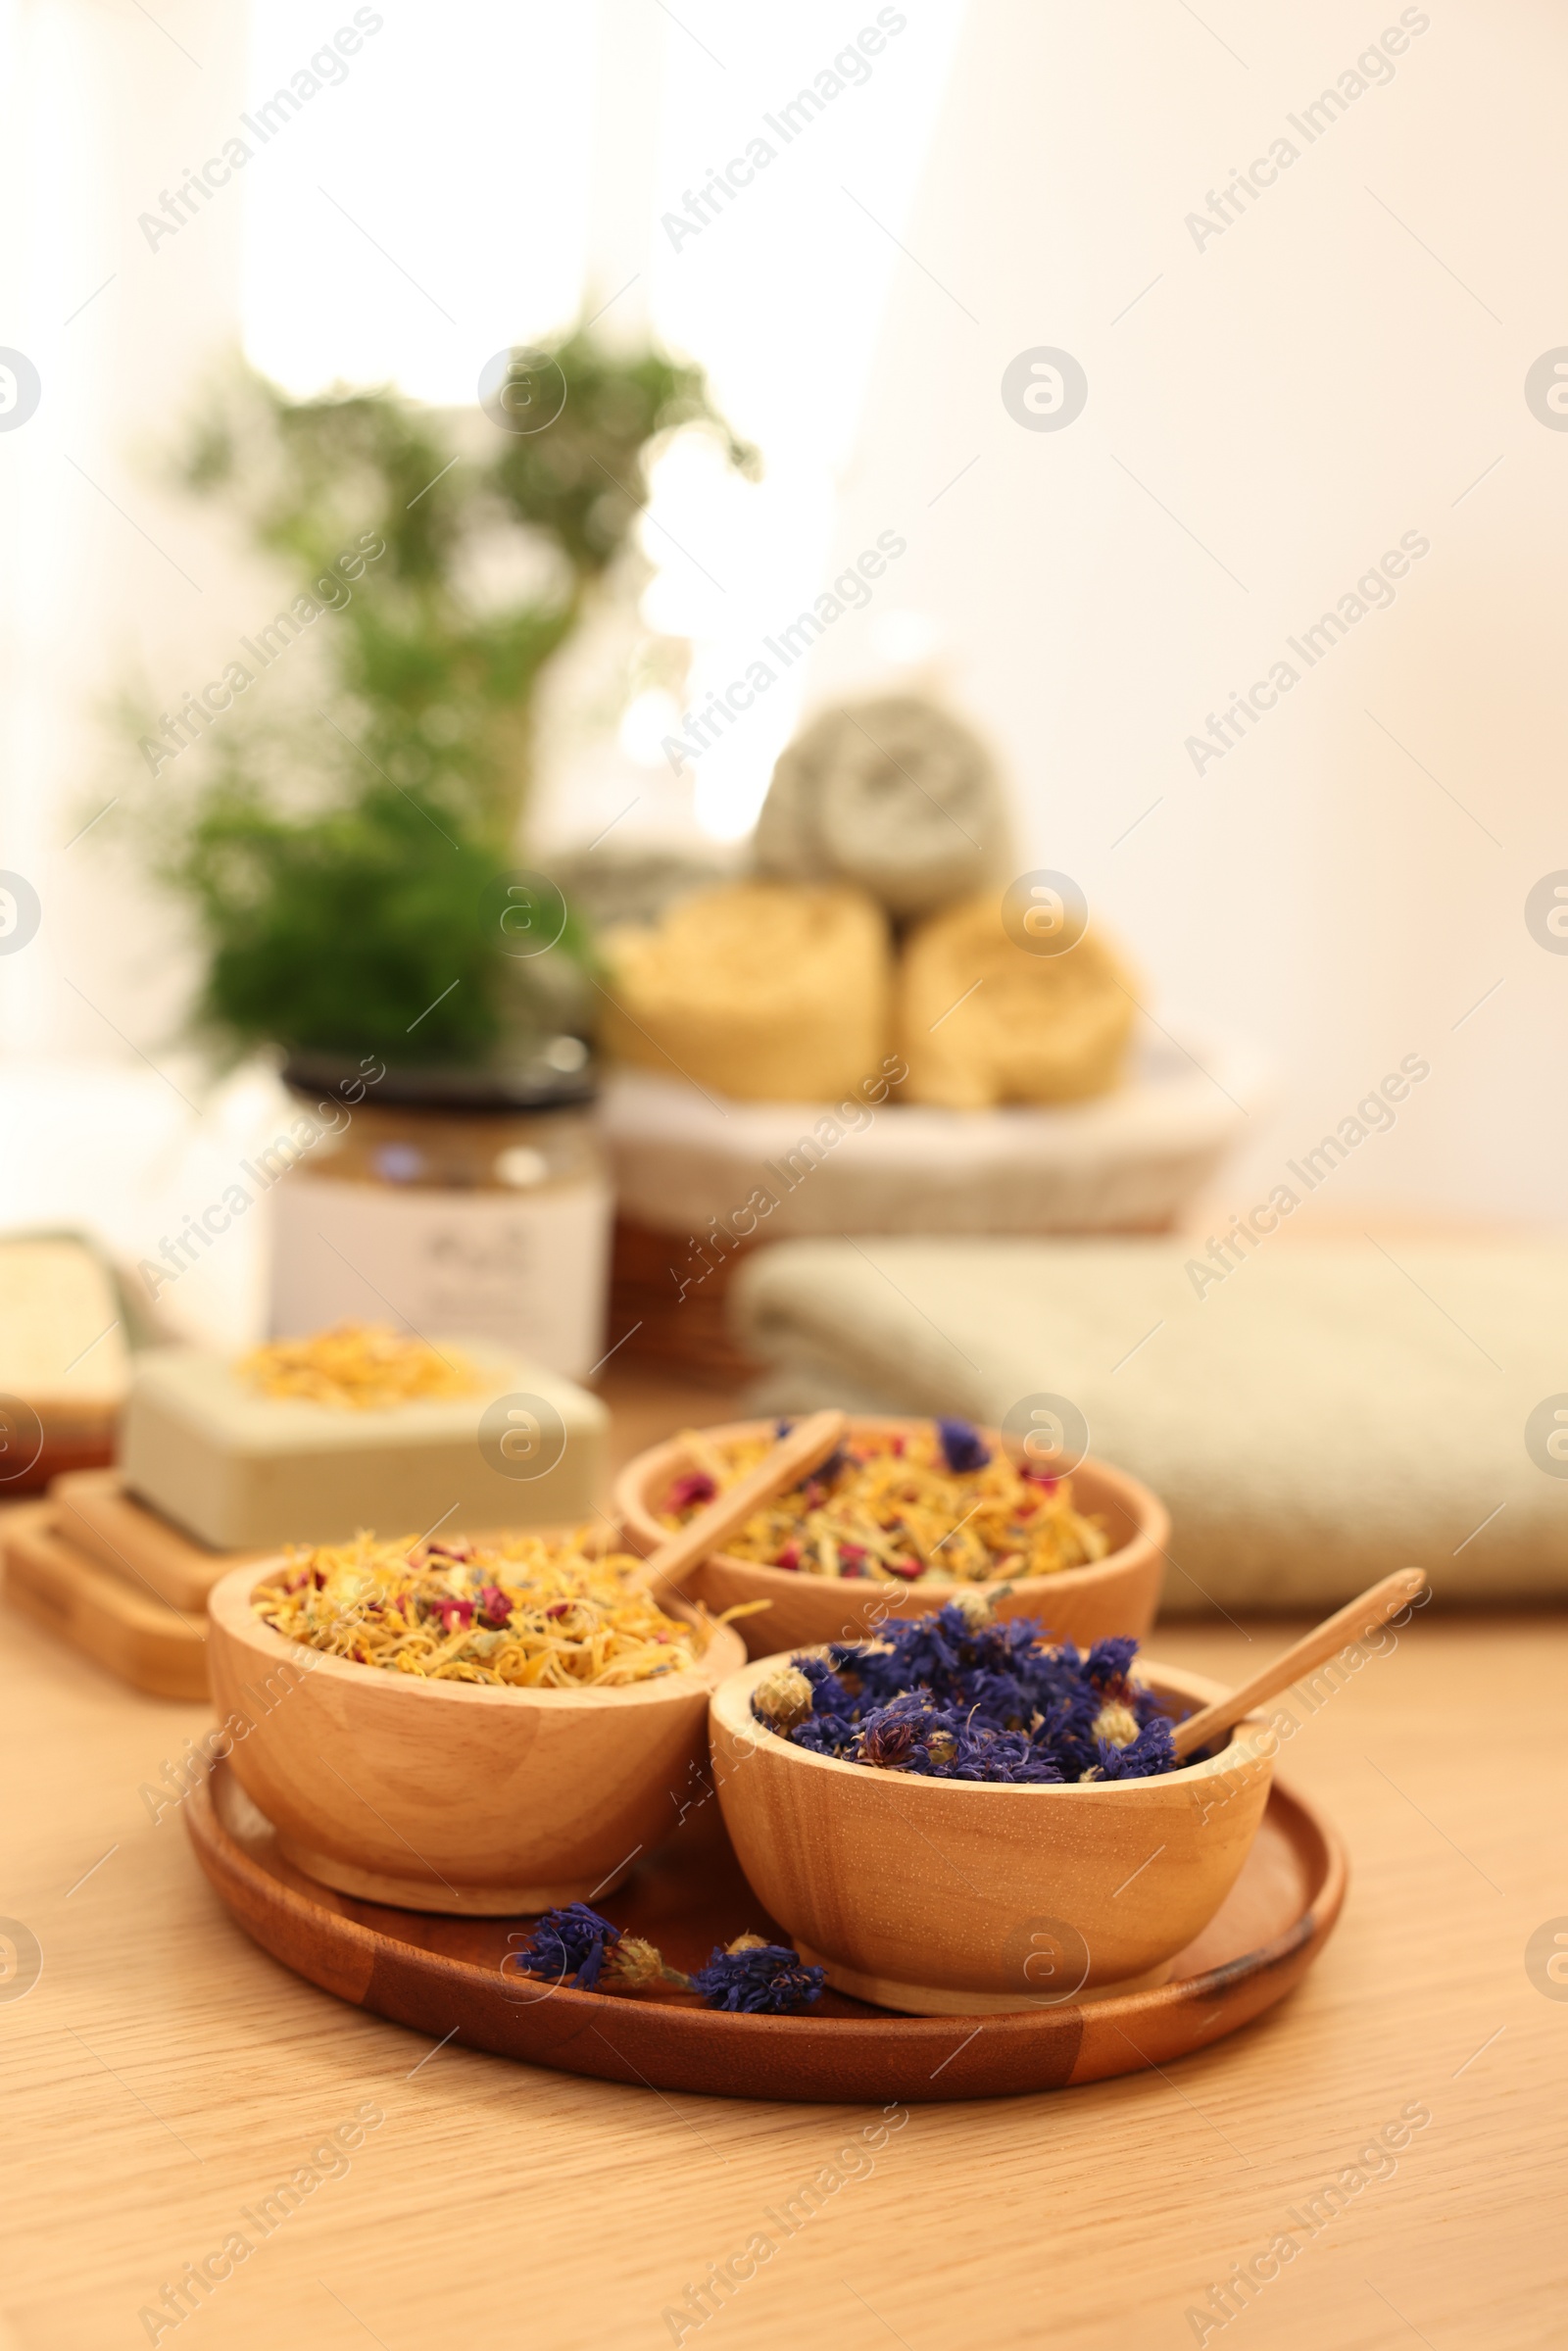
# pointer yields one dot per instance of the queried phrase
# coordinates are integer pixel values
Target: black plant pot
(539, 1084)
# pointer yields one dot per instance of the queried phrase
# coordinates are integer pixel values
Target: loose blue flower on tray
(961, 1695)
(577, 1949)
(758, 1978)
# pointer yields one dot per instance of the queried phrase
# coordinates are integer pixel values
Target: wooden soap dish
(456, 1977)
(131, 1632)
(116, 1580)
(96, 1513)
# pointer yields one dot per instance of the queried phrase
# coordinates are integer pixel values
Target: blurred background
(831, 348)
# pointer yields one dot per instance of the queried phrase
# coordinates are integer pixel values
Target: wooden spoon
(1373, 1607)
(805, 1448)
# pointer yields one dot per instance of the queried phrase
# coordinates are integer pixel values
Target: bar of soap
(246, 1471)
(64, 1358)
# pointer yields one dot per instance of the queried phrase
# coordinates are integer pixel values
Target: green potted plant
(342, 813)
(344, 845)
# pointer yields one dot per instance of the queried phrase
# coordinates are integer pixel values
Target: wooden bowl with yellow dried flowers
(483, 1725)
(480, 1728)
(915, 1512)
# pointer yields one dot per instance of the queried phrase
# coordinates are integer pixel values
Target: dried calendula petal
(896, 1504)
(528, 1611)
(358, 1367)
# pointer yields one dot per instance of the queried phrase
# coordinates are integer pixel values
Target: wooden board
(443, 1975)
(97, 1514)
(139, 1638)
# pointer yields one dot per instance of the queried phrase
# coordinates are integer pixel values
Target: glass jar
(458, 1205)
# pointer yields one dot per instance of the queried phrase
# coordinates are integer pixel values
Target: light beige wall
(1309, 385)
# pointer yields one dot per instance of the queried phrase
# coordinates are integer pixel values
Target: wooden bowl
(453, 1796)
(950, 1898)
(1119, 1594)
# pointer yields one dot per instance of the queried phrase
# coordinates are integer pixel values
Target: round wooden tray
(444, 1976)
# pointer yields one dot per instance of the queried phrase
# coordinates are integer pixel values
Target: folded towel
(1318, 1417)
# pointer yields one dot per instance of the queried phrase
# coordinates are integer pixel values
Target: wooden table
(162, 2074)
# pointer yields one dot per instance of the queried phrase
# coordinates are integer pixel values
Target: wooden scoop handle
(1373, 1607)
(805, 1448)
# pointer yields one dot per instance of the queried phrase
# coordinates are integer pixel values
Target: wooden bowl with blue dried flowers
(481, 1726)
(906, 1516)
(960, 1819)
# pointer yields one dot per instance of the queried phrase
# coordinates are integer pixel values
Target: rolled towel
(893, 796)
(982, 1021)
(759, 991)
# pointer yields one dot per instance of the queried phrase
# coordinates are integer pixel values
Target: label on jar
(529, 1272)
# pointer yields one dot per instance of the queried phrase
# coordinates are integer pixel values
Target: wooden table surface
(162, 2073)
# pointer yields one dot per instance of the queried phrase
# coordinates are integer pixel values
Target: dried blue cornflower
(1006, 1755)
(569, 1946)
(826, 1735)
(757, 1978)
(922, 1652)
(894, 1737)
(1108, 1662)
(955, 1696)
(1151, 1752)
(962, 1445)
(830, 1696)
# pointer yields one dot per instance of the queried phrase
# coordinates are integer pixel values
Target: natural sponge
(893, 795)
(759, 991)
(984, 1021)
